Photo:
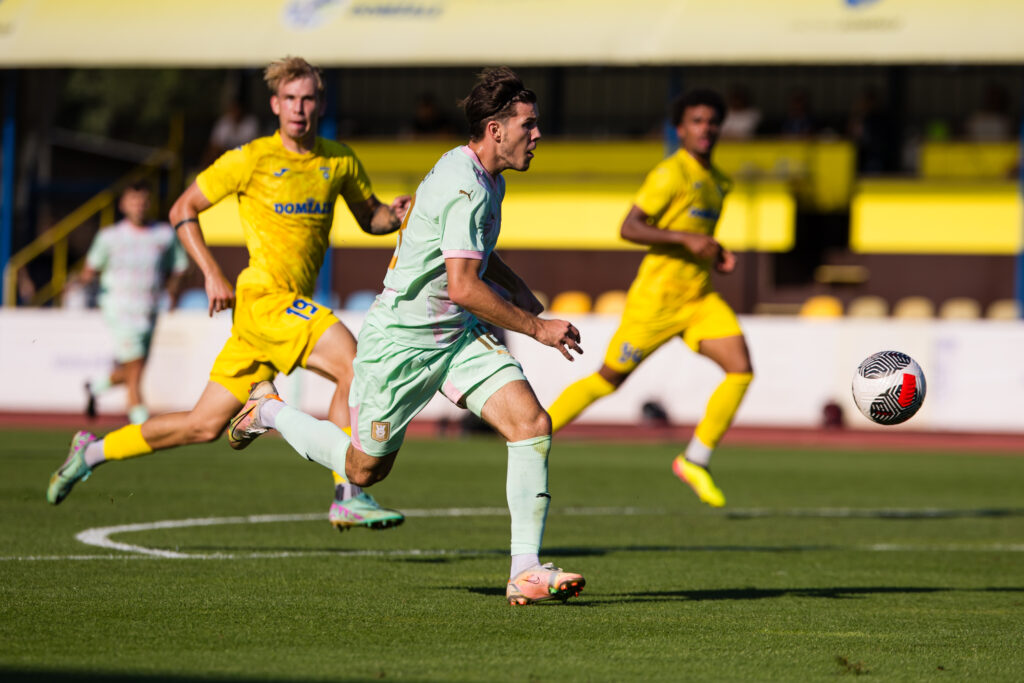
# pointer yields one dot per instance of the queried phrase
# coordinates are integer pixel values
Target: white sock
(522, 562)
(526, 488)
(94, 454)
(321, 441)
(698, 453)
(269, 411)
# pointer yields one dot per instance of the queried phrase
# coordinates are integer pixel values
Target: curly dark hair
(494, 97)
(696, 98)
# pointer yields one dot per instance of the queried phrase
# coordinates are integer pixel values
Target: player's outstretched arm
(184, 217)
(467, 290)
(377, 218)
(636, 228)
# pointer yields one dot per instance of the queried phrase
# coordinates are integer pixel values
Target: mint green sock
(526, 489)
(99, 384)
(321, 441)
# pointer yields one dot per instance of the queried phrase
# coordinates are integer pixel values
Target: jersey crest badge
(380, 431)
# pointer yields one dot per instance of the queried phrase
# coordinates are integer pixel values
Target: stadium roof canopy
(210, 33)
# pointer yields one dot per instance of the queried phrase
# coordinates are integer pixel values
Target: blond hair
(288, 69)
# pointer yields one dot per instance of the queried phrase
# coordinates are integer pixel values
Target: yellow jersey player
(674, 214)
(287, 185)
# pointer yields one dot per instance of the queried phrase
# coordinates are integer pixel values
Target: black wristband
(183, 221)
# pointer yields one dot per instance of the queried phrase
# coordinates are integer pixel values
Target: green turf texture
(897, 566)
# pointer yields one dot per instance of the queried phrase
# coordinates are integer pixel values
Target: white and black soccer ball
(888, 387)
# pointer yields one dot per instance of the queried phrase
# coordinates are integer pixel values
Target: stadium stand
(571, 301)
(193, 299)
(914, 308)
(612, 302)
(868, 306)
(822, 306)
(960, 308)
(1003, 309)
(360, 300)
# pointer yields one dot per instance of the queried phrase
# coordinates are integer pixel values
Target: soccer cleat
(362, 510)
(246, 426)
(90, 402)
(698, 479)
(543, 582)
(72, 471)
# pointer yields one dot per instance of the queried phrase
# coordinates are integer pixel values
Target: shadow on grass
(833, 593)
(879, 513)
(22, 676)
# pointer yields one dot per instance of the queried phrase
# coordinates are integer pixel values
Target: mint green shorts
(132, 334)
(393, 383)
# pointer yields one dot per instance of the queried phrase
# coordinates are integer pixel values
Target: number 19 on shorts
(302, 308)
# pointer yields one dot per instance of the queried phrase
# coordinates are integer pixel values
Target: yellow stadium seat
(960, 308)
(914, 308)
(868, 306)
(1003, 309)
(822, 306)
(612, 302)
(571, 301)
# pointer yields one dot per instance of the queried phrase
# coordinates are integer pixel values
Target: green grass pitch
(897, 566)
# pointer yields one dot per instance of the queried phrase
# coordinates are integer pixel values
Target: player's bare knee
(205, 430)
(537, 424)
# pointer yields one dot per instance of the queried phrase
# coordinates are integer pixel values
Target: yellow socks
(722, 406)
(576, 397)
(124, 443)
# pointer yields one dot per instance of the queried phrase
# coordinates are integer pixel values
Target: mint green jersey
(456, 213)
(134, 263)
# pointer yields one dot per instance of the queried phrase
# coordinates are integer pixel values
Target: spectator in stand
(429, 121)
(234, 128)
(742, 118)
(798, 122)
(870, 127)
(992, 122)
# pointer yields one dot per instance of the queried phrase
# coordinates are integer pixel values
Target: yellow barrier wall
(929, 217)
(968, 159)
(574, 197)
(755, 218)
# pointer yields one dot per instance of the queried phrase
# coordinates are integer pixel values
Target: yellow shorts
(272, 332)
(707, 317)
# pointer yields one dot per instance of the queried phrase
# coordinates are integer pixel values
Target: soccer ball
(888, 387)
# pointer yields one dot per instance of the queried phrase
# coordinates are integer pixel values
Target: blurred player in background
(287, 185)
(674, 214)
(135, 259)
(424, 335)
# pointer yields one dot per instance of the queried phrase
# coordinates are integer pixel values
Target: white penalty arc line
(100, 537)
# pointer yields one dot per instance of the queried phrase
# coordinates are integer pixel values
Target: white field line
(100, 536)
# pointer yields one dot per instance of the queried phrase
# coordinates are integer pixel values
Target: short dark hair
(138, 186)
(494, 97)
(696, 98)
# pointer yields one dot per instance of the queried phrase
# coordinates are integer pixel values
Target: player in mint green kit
(424, 335)
(135, 260)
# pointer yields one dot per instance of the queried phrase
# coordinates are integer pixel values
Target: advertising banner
(519, 32)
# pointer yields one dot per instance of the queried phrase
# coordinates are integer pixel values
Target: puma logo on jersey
(281, 172)
(468, 194)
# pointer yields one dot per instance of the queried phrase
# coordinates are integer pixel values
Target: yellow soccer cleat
(698, 479)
